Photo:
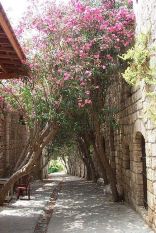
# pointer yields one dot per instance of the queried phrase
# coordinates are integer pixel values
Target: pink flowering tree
(72, 52)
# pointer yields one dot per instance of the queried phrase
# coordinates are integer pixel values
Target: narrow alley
(77, 97)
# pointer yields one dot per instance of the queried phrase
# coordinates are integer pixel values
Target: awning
(11, 54)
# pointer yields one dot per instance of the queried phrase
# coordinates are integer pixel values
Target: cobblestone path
(82, 207)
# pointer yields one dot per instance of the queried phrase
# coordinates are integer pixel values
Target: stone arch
(138, 127)
(126, 168)
(139, 168)
(127, 145)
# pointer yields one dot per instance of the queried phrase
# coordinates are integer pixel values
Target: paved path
(83, 208)
(21, 216)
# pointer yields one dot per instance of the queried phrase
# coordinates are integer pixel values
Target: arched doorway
(126, 172)
(141, 178)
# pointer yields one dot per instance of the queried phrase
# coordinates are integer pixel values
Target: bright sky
(14, 9)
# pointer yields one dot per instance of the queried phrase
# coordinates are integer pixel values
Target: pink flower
(109, 57)
(96, 56)
(88, 101)
(69, 40)
(88, 46)
(82, 54)
(31, 66)
(87, 92)
(59, 71)
(104, 26)
(81, 105)
(130, 1)
(66, 76)
(79, 7)
(119, 26)
(112, 29)
(82, 84)
(88, 73)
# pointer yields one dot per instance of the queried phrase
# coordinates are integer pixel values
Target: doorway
(142, 169)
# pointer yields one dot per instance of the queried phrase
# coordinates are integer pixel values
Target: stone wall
(135, 142)
(135, 139)
(76, 167)
(12, 140)
(40, 170)
(145, 16)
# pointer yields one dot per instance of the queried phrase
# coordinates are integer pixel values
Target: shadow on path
(83, 207)
(21, 216)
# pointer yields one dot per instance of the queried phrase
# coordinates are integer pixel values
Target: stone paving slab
(21, 216)
(82, 207)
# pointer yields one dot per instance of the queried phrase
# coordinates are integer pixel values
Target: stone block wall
(76, 167)
(40, 170)
(13, 136)
(135, 139)
(134, 142)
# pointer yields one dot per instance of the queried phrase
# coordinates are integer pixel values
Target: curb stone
(44, 218)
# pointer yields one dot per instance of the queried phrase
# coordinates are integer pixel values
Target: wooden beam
(9, 62)
(11, 75)
(4, 22)
(3, 68)
(4, 41)
(7, 76)
(7, 49)
(8, 56)
(3, 36)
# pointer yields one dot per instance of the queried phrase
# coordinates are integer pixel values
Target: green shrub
(55, 166)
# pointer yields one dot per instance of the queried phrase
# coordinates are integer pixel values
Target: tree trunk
(100, 164)
(99, 161)
(102, 155)
(49, 133)
(88, 169)
(112, 150)
(89, 173)
(109, 170)
(87, 144)
(86, 158)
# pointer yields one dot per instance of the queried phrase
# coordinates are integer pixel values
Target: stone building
(12, 128)
(135, 140)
